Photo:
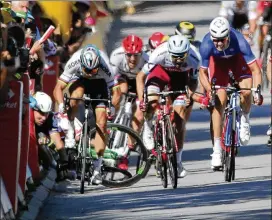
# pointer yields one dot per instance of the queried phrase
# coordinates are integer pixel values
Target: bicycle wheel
(84, 143)
(265, 56)
(171, 153)
(161, 164)
(136, 175)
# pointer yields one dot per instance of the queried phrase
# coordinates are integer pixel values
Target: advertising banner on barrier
(50, 75)
(25, 134)
(10, 139)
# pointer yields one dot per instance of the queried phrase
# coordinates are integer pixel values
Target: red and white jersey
(162, 57)
(119, 63)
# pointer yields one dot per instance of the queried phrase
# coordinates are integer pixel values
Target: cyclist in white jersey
(242, 15)
(174, 64)
(126, 62)
(88, 72)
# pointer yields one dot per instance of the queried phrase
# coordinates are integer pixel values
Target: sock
(217, 144)
(245, 118)
(97, 164)
(179, 155)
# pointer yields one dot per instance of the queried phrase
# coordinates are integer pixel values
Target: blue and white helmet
(90, 57)
(178, 45)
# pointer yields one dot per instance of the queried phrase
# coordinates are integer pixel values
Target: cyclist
(241, 15)
(153, 42)
(48, 129)
(126, 62)
(264, 9)
(176, 65)
(224, 49)
(88, 72)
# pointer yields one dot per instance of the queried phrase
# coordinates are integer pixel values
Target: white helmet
(89, 57)
(178, 45)
(44, 102)
(219, 27)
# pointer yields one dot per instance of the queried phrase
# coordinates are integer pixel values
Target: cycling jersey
(73, 71)
(229, 8)
(162, 57)
(238, 17)
(119, 63)
(237, 45)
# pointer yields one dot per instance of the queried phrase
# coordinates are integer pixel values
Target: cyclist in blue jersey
(224, 49)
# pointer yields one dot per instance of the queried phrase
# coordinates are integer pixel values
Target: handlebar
(130, 95)
(167, 93)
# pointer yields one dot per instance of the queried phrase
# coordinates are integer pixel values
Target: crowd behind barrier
(31, 61)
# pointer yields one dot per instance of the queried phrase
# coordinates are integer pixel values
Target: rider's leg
(76, 91)
(182, 115)
(99, 142)
(152, 106)
(217, 118)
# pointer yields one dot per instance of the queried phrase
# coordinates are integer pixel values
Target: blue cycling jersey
(238, 44)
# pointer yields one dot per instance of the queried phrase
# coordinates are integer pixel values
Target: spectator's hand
(36, 47)
(5, 55)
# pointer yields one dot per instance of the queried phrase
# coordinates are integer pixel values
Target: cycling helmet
(44, 102)
(89, 57)
(132, 44)
(187, 29)
(219, 27)
(155, 40)
(178, 46)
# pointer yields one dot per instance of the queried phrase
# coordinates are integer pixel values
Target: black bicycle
(112, 176)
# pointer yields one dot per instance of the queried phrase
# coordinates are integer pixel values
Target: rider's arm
(58, 91)
(252, 16)
(205, 58)
(140, 78)
(250, 60)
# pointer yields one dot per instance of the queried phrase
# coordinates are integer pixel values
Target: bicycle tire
(162, 165)
(143, 168)
(266, 46)
(83, 158)
(171, 153)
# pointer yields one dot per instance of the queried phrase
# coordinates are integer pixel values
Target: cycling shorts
(220, 67)
(96, 88)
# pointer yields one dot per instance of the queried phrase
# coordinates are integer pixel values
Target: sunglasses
(88, 71)
(133, 54)
(46, 114)
(179, 58)
(216, 40)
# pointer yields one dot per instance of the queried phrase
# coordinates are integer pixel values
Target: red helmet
(155, 40)
(132, 44)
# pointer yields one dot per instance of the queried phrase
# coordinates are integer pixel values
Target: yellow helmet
(187, 29)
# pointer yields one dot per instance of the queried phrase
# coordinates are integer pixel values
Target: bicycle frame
(233, 113)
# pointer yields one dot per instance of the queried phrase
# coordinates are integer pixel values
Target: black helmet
(186, 29)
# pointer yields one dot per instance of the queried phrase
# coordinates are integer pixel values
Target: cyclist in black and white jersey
(88, 72)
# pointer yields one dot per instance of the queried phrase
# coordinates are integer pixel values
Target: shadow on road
(106, 205)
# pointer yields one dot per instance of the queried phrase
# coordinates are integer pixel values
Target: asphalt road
(203, 194)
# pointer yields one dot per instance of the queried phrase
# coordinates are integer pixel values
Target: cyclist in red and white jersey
(174, 64)
(154, 41)
(126, 61)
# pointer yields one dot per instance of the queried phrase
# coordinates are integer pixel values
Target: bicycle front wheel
(171, 149)
(84, 143)
(131, 174)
